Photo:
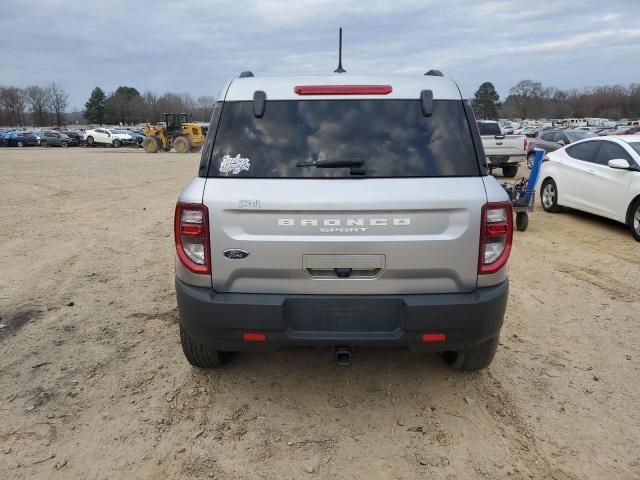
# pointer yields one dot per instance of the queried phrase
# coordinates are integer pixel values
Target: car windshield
(575, 136)
(391, 138)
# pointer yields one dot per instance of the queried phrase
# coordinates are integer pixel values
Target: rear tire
(181, 144)
(634, 220)
(90, 141)
(117, 143)
(198, 354)
(474, 358)
(43, 144)
(510, 171)
(64, 144)
(549, 196)
(20, 144)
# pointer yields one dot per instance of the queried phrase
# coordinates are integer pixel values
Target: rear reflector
(254, 337)
(433, 337)
(343, 89)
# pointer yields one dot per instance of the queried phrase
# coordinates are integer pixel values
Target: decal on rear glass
(234, 164)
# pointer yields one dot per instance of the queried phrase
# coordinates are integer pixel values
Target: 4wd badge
(235, 253)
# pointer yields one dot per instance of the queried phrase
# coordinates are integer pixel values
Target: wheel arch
(627, 217)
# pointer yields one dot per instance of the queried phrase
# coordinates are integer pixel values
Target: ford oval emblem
(235, 253)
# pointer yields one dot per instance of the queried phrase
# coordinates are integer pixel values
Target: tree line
(46, 105)
(529, 99)
(34, 105)
(39, 106)
(128, 106)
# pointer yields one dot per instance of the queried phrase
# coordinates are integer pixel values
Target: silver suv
(342, 211)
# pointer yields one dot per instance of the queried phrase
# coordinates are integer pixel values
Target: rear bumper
(504, 160)
(219, 319)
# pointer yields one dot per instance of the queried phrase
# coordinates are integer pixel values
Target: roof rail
(246, 73)
(434, 73)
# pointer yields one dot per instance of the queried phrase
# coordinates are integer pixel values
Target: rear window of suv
(391, 137)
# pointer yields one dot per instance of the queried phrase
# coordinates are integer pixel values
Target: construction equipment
(177, 132)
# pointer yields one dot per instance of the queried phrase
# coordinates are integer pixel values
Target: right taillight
(191, 229)
(496, 234)
(545, 159)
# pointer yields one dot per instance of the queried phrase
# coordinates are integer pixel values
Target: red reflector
(433, 337)
(343, 89)
(191, 229)
(545, 159)
(496, 230)
(254, 337)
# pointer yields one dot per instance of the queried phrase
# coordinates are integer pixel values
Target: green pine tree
(94, 112)
(486, 102)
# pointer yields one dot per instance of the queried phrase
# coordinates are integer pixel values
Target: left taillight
(191, 230)
(496, 235)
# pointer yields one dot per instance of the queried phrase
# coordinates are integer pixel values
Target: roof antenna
(340, 69)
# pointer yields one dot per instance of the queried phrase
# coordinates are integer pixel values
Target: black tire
(522, 221)
(181, 144)
(474, 358)
(151, 144)
(198, 354)
(43, 144)
(19, 144)
(116, 143)
(549, 196)
(64, 144)
(90, 141)
(510, 171)
(634, 219)
(530, 157)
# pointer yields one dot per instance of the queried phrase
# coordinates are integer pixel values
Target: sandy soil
(93, 383)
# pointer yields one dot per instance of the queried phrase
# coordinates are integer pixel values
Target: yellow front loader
(177, 133)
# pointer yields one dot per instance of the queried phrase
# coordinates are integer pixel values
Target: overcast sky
(195, 46)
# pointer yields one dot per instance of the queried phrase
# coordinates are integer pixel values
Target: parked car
(551, 140)
(598, 175)
(136, 139)
(502, 151)
(628, 131)
(58, 139)
(39, 134)
(19, 139)
(104, 136)
(372, 220)
(74, 134)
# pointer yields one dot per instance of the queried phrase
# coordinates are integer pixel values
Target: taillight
(191, 229)
(545, 159)
(496, 234)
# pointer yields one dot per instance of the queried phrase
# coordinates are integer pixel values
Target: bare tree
(205, 107)
(38, 100)
(12, 99)
(57, 101)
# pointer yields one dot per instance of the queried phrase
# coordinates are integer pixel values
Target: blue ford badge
(235, 253)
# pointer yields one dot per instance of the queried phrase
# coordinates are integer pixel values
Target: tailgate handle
(343, 272)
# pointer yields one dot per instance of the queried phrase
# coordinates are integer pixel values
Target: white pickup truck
(502, 151)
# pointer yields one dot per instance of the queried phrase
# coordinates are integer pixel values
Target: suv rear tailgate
(345, 236)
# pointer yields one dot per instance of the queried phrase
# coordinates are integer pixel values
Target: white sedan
(600, 175)
(106, 136)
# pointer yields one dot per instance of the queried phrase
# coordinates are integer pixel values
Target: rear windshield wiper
(356, 165)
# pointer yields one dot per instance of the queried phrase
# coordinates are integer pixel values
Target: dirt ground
(93, 383)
